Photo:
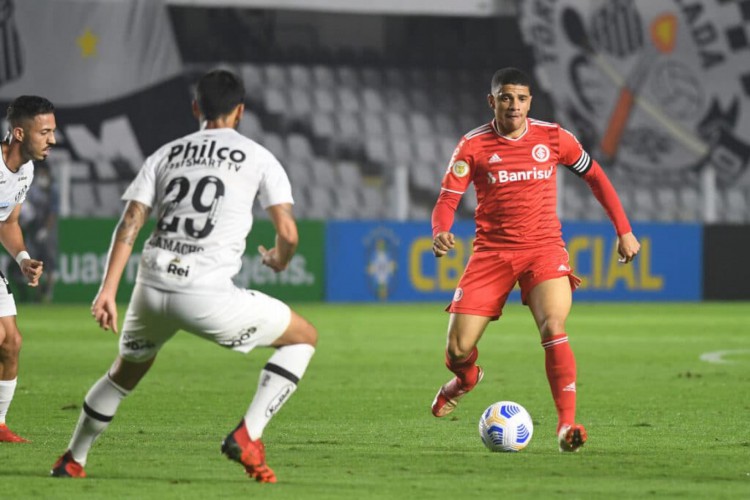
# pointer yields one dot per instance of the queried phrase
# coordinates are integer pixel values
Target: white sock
(7, 389)
(99, 408)
(278, 380)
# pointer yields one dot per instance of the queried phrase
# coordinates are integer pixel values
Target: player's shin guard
(7, 389)
(99, 408)
(561, 374)
(278, 380)
(465, 369)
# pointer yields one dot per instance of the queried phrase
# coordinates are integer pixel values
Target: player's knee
(301, 331)
(552, 326)
(310, 335)
(11, 345)
(458, 350)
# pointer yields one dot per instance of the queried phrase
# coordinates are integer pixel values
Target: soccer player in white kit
(31, 135)
(201, 188)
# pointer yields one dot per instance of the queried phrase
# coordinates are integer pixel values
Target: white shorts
(238, 319)
(7, 302)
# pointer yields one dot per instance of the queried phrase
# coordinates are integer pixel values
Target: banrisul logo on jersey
(657, 89)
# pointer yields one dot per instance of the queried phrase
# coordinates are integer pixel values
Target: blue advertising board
(391, 261)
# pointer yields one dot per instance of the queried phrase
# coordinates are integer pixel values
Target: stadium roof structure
(463, 8)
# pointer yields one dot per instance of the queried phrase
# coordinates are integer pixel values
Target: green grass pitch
(662, 423)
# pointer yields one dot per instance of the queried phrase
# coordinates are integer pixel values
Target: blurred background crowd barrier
(364, 103)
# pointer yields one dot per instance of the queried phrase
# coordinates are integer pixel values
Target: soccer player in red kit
(512, 162)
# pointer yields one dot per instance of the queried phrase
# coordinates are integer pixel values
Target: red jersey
(515, 183)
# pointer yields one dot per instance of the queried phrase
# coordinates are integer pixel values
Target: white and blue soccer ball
(506, 426)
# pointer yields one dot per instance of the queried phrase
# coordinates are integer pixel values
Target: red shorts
(489, 278)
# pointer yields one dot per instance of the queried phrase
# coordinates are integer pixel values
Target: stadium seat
(348, 174)
(348, 76)
(372, 77)
(572, 206)
(691, 203)
(420, 100)
(427, 152)
(402, 150)
(348, 203)
(320, 198)
(377, 151)
(299, 147)
(323, 125)
(396, 125)
(644, 208)
(348, 128)
(301, 76)
(372, 100)
(299, 172)
(252, 77)
(447, 145)
(301, 204)
(422, 177)
(396, 100)
(324, 100)
(372, 202)
(275, 100)
(667, 204)
(421, 126)
(300, 104)
(348, 99)
(275, 144)
(323, 173)
(394, 77)
(275, 75)
(735, 205)
(250, 126)
(323, 76)
(372, 124)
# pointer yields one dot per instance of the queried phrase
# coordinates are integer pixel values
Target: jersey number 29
(210, 206)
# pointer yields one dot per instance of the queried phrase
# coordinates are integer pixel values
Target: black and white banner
(660, 88)
(113, 71)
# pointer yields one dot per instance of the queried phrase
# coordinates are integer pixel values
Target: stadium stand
(340, 119)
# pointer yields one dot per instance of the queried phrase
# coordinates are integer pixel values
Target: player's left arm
(11, 238)
(577, 160)
(104, 307)
(287, 238)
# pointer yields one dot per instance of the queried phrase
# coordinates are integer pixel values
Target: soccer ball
(506, 426)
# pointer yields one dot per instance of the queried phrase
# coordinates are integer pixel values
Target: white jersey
(13, 187)
(202, 188)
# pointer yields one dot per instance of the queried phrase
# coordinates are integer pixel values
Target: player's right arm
(455, 182)
(104, 307)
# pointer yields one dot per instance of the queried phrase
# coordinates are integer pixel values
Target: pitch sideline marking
(718, 356)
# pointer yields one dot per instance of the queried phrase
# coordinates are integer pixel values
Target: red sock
(465, 369)
(561, 374)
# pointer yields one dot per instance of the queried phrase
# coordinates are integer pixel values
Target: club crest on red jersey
(540, 153)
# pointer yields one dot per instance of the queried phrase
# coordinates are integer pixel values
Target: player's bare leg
(10, 348)
(278, 380)
(464, 332)
(550, 303)
(99, 407)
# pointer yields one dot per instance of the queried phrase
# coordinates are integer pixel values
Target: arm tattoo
(132, 221)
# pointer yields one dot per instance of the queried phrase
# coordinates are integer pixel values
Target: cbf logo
(657, 88)
(381, 245)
